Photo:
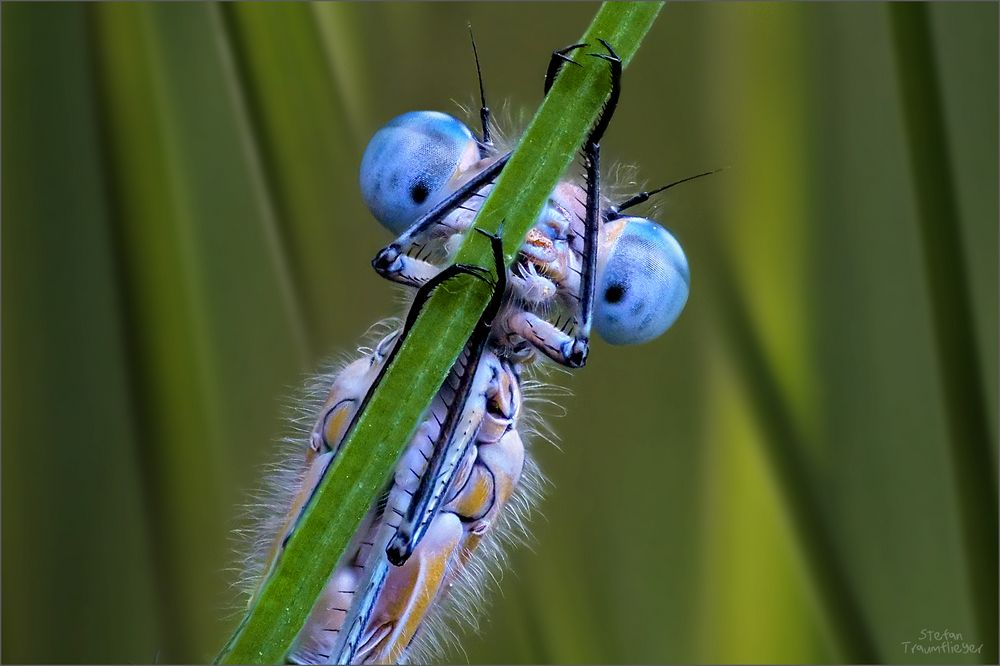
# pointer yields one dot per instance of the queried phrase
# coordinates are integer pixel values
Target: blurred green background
(799, 471)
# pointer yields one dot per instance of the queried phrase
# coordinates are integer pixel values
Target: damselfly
(466, 479)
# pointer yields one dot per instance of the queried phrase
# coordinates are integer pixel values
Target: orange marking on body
(336, 425)
(536, 238)
(477, 496)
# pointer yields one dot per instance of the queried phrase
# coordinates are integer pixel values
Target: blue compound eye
(409, 164)
(644, 284)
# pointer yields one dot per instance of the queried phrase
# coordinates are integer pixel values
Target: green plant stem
(973, 463)
(380, 433)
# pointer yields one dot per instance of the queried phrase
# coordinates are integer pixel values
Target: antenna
(484, 111)
(644, 196)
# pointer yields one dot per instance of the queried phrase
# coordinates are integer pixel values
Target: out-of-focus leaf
(309, 155)
(765, 321)
(972, 452)
(201, 286)
(77, 581)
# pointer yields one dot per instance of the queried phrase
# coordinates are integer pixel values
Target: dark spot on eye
(614, 293)
(419, 193)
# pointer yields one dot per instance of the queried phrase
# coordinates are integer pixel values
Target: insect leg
(592, 154)
(392, 262)
(409, 593)
(559, 58)
(339, 416)
(351, 633)
(574, 354)
(499, 287)
(544, 336)
(496, 467)
(449, 449)
(346, 393)
(612, 103)
(489, 476)
(424, 292)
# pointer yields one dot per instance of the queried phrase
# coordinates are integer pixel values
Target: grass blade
(80, 525)
(973, 463)
(307, 155)
(184, 231)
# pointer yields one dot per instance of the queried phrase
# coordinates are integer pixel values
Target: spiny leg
(449, 450)
(559, 58)
(425, 290)
(577, 353)
(391, 261)
(612, 102)
(450, 541)
(557, 344)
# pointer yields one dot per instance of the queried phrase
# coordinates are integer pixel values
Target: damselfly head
(644, 283)
(410, 163)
